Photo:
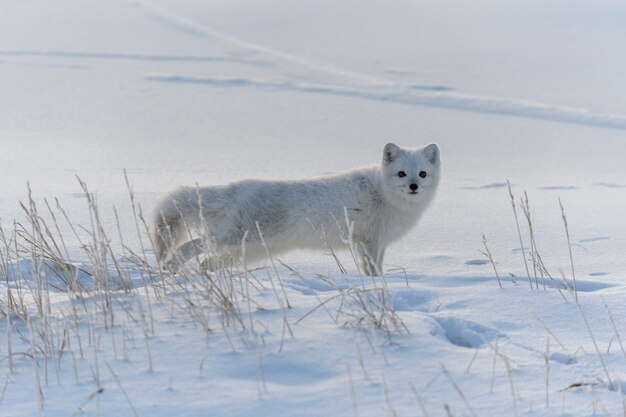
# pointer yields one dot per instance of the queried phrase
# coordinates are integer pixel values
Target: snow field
(114, 335)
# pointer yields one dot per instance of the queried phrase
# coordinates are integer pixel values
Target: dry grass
(67, 302)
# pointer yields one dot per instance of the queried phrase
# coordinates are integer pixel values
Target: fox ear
(432, 153)
(391, 152)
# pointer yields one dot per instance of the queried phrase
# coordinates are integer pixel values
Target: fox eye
(423, 174)
(401, 174)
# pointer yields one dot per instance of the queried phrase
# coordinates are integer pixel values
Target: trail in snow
(191, 27)
(341, 82)
(420, 97)
(44, 65)
(354, 84)
(124, 56)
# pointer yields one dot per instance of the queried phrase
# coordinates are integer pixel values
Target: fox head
(410, 176)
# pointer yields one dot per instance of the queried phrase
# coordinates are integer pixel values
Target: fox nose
(413, 187)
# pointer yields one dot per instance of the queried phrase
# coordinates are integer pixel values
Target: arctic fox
(382, 203)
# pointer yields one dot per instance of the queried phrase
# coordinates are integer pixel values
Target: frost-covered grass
(107, 301)
(113, 334)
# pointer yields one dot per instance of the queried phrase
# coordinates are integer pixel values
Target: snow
(186, 92)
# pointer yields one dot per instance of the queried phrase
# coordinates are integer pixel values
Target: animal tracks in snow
(415, 300)
(476, 262)
(610, 185)
(557, 187)
(490, 186)
(466, 333)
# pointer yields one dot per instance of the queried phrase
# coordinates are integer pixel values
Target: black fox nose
(413, 187)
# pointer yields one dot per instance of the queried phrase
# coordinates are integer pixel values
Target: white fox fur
(384, 202)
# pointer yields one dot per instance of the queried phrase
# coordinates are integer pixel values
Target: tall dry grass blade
(419, 401)
(546, 358)
(617, 335)
(595, 345)
(519, 233)
(525, 205)
(458, 389)
(324, 236)
(569, 246)
(545, 326)
(119, 384)
(286, 324)
(487, 254)
(355, 409)
(509, 373)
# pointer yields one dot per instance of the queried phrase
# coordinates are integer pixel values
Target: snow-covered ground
(185, 92)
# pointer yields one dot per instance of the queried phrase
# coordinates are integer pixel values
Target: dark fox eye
(423, 174)
(401, 174)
